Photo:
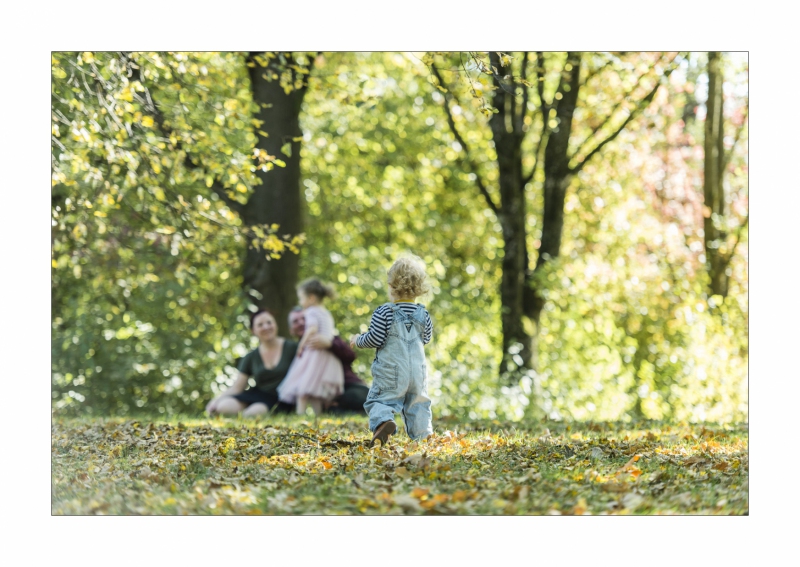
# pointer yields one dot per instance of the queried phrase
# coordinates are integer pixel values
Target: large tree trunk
(518, 296)
(508, 135)
(557, 177)
(713, 190)
(277, 200)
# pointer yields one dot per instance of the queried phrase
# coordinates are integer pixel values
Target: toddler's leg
(302, 402)
(381, 407)
(417, 415)
(316, 405)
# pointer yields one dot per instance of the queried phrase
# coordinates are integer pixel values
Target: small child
(315, 376)
(398, 330)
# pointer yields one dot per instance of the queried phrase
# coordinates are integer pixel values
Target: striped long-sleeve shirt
(382, 319)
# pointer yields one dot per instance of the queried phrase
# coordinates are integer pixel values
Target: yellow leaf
(459, 496)
(147, 122)
(419, 492)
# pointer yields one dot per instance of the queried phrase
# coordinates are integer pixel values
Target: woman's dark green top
(267, 379)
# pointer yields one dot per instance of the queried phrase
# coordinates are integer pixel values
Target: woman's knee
(255, 409)
(229, 406)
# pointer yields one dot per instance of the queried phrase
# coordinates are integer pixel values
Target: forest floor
(287, 465)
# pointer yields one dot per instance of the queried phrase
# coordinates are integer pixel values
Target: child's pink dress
(316, 373)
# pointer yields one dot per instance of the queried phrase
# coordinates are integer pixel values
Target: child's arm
(375, 337)
(428, 333)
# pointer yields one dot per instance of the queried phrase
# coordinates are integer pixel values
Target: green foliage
(628, 326)
(145, 252)
(150, 152)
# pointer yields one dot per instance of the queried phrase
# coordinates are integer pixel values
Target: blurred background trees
(583, 217)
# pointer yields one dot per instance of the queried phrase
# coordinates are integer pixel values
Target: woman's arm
(237, 387)
(312, 330)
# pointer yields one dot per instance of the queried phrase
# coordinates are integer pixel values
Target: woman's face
(264, 327)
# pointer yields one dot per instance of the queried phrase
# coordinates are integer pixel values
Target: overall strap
(419, 314)
(408, 320)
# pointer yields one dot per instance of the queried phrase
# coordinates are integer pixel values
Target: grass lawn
(287, 465)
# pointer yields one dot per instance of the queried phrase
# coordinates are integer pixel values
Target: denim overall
(399, 376)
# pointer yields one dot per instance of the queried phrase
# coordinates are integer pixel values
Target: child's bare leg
(302, 402)
(316, 405)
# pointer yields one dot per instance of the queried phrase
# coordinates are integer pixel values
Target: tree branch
(593, 73)
(472, 166)
(641, 105)
(525, 93)
(727, 258)
(545, 108)
(545, 133)
(611, 114)
(158, 118)
(727, 158)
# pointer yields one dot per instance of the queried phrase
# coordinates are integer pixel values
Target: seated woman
(268, 364)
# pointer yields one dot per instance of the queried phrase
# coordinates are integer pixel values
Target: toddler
(398, 330)
(315, 376)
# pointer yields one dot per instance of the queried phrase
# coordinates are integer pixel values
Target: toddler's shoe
(382, 432)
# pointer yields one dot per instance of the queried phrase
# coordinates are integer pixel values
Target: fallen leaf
(684, 499)
(419, 492)
(630, 463)
(632, 500)
(434, 501)
(459, 496)
(696, 460)
(580, 507)
(408, 503)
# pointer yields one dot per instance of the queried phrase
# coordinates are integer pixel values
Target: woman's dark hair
(313, 286)
(259, 312)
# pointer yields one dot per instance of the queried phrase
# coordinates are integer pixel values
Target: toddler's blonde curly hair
(408, 278)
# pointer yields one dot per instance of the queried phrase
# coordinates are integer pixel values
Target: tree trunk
(508, 135)
(278, 199)
(713, 191)
(557, 177)
(518, 296)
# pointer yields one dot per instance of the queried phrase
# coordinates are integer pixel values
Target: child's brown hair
(313, 286)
